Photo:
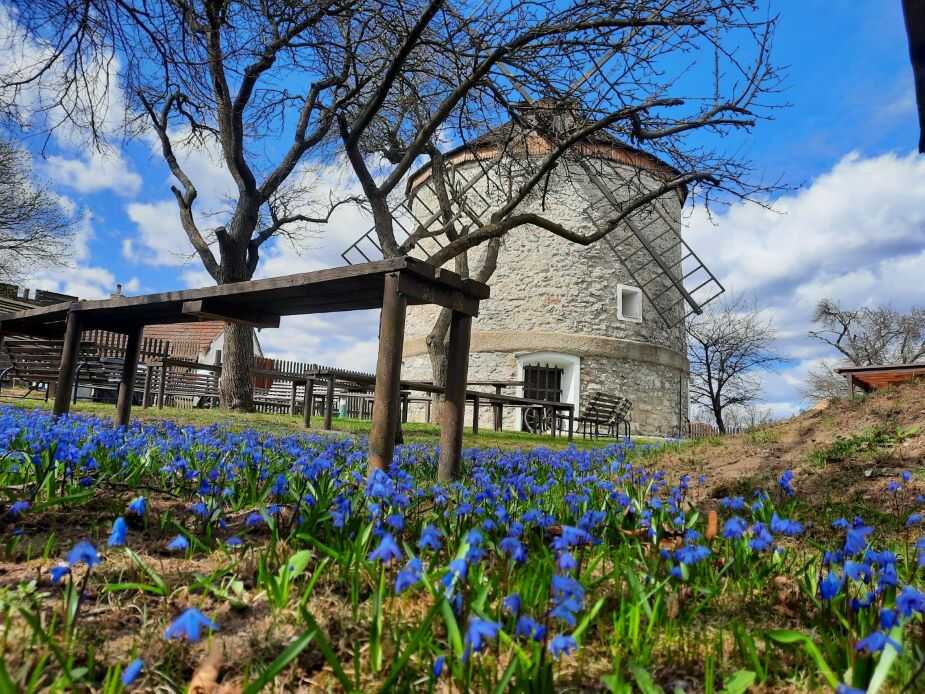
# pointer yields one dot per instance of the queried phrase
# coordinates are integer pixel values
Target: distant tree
(34, 228)
(871, 335)
(727, 345)
(822, 383)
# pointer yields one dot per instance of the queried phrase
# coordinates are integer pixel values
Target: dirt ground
(841, 451)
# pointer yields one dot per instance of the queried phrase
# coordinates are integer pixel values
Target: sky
(851, 225)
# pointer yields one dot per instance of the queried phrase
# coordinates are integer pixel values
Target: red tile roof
(201, 333)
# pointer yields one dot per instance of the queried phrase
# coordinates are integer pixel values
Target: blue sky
(852, 228)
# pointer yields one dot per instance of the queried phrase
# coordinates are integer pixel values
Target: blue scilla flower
(513, 549)
(131, 672)
(888, 619)
(785, 526)
(409, 575)
(733, 503)
(692, 554)
(17, 508)
(840, 524)
(430, 538)
(887, 577)
(387, 550)
(83, 553)
(762, 540)
(395, 521)
(857, 571)
(920, 552)
(511, 604)
(280, 486)
(189, 626)
(876, 642)
(200, 509)
(831, 585)
(234, 541)
(571, 537)
(178, 544)
(913, 519)
(856, 539)
(562, 644)
(906, 475)
(910, 600)
(676, 572)
(529, 628)
(734, 528)
(566, 561)
(138, 507)
(119, 531)
(845, 689)
(253, 519)
(59, 572)
(478, 632)
(786, 483)
(439, 666)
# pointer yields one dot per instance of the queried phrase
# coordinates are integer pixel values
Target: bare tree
(34, 228)
(871, 335)
(727, 345)
(537, 95)
(822, 383)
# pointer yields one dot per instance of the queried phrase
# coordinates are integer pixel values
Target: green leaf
(644, 680)
(282, 660)
(296, 564)
(887, 658)
(788, 636)
(739, 682)
(587, 619)
(423, 632)
(325, 647)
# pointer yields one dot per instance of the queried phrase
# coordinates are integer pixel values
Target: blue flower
(733, 503)
(409, 575)
(138, 507)
(119, 531)
(253, 519)
(692, 554)
(478, 632)
(761, 539)
(59, 572)
(845, 689)
(857, 571)
(430, 538)
(571, 537)
(913, 519)
(189, 626)
(131, 672)
(831, 585)
(178, 544)
(856, 539)
(876, 642)
(529, 628)
(511, 604)
(888, 619)
(234, 541)
(840, 524)
(566, 562)
(83, 553)
(910, 600)
(514, 549)
(17, 508)
(562, 645)
(439, 666)
(387, 550)
(786, 483)
(734, 528)
(785, 526)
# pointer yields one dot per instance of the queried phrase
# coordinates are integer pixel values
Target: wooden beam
(454, 405)
(204, 309)
(127, 379)
(68, 364)
(388, 376)
(430, 293)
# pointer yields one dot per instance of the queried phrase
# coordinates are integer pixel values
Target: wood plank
(205, 309)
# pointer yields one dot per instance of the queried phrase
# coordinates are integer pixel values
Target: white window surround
(571, 373)
(629, 303)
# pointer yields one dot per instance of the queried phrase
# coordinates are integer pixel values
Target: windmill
(671, 275)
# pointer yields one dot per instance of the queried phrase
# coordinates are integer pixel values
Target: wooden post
(496, 409)
(145, 396)
(162, 386)
(292, 395)
(388, 376)
(329, 404)
(309, 396)
(454, 404)
(404, 408)
(851, 387)
(427, 409)
(475, 414)
(127, 379)
(571, 423)
(68, 363)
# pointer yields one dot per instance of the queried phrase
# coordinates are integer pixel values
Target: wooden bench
(610, 412)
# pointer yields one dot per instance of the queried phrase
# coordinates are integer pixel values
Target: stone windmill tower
(565, 321)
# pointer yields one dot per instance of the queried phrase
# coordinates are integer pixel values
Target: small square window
(629, 304)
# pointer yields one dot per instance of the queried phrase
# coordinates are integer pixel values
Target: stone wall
(551, 295)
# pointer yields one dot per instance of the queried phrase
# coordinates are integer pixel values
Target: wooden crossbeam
(206, 309)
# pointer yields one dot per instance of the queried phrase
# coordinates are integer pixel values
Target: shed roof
(875, 377)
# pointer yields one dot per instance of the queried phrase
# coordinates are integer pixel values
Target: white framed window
(629, 303)
(570, 365)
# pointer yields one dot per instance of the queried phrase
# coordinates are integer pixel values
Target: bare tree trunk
(718, 416)
(236, 386)
(436, 348)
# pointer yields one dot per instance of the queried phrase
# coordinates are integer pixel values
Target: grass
(414, 432)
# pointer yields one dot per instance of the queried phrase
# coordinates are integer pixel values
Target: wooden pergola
(390, 284)
(869, 378)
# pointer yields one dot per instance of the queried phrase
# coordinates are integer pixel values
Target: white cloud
(161, 239)
(855, 234)
(94, 172)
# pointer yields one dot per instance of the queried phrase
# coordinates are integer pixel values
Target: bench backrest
(602, 407)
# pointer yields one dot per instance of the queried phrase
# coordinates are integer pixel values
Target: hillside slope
(845, 451)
